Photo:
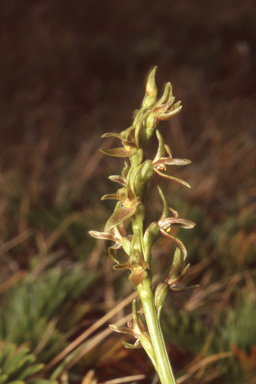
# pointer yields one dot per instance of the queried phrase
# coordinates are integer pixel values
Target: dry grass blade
(62, 227)
(15, 241)
(95, 341)
(199, 295)
(203, 363)
(90, 330)
(126, 379)
(13, 280)
(89, 378)
(46, 261)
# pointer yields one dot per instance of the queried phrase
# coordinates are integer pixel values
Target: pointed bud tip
(151, 88)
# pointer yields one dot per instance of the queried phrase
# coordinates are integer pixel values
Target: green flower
(119, 236)
(136, 326)
(138, 329)
(137, 265)
(177, 273)
(125, 208)
(166, 222)
(129, 142)
(160, 161)
(167, 110)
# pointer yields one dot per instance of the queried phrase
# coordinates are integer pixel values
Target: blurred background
(69, 72)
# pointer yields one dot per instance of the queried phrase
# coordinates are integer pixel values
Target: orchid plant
(134, 178)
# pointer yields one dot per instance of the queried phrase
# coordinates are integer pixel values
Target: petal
(176, 267)
(112, 254)
(172, 178)
(136, 345)
(161, 109)
(129, 144)
(125, 135)
(125, 170)
(137, 279)
(121, 266)
(168, 150)
(138, 324)
(176, 105)
(180, 277)
(119, 152)
(166, 94)
(168, 115)
(175, 213)
(161, 148)
(177, 241)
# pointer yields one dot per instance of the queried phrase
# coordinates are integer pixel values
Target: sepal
(184, 289)
(166, 94)
(165, 204)
(119, 152)
(176, 240)
(124, 209)
(172, 178)
(111, 134)
(177, 273)
(121, 214)
(117, 179)
(112, 196)
(103, 235)
(161, 149)
(125, 330)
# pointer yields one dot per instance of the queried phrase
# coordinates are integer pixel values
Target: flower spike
(125, 226)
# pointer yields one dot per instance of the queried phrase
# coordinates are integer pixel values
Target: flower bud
(144, 174)
(161, 292)
(151, 88)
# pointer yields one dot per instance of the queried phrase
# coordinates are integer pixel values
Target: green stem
(162, 359)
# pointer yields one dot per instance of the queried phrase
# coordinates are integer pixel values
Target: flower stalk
(134, 178)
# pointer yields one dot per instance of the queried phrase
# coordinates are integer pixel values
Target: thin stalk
(163, 363)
